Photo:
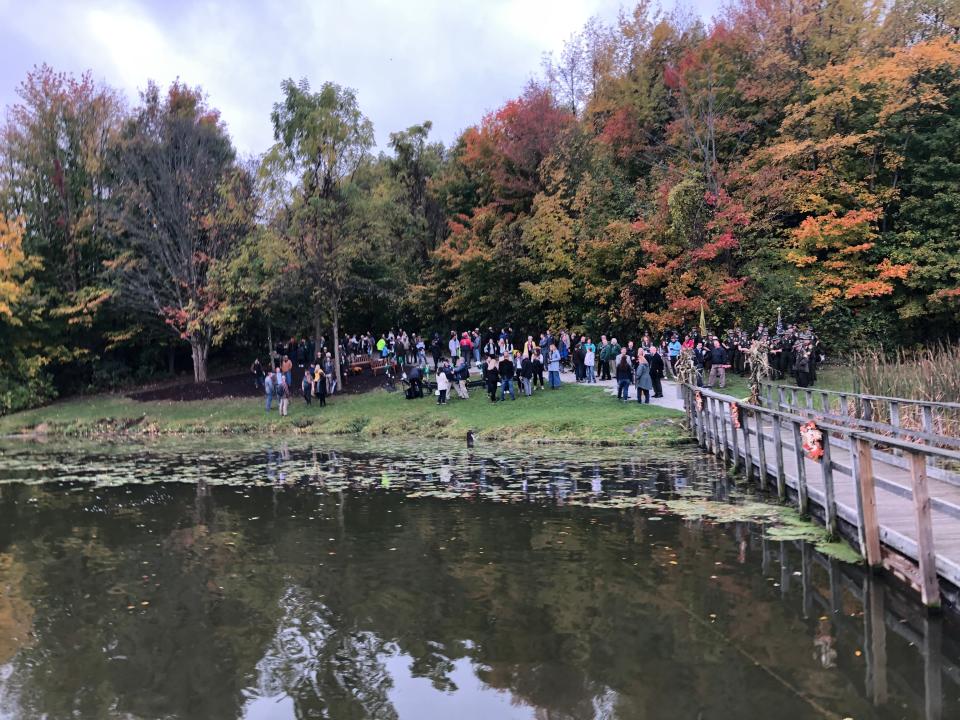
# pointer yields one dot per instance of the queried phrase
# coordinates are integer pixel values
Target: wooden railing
(762, 429)
(933, 422)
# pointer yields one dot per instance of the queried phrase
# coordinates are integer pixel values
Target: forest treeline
(789, 154)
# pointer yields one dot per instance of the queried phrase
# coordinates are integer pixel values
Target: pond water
(199, 580)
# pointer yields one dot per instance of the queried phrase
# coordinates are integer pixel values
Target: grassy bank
(573, 414)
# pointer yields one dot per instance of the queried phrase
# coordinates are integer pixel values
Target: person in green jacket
(613, 352)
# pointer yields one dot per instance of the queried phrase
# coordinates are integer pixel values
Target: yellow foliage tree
(13, 267)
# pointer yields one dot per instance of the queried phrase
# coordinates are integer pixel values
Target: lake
(210, 579)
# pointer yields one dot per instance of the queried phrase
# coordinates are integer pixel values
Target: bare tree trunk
(316, 331)
(270, 344)
(200, 347)
(336, 345)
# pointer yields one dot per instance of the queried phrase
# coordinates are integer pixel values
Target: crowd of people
(507, 364)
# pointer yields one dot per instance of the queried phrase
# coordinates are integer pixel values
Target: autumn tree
(181, 205)
(53, 177)
(324, 140)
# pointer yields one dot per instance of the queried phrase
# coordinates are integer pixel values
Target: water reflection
(299, 582)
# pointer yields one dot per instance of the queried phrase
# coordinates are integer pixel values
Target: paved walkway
(671, 396)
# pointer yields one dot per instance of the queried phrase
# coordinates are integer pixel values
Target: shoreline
(573, 415)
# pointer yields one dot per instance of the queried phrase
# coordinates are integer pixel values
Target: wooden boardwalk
(897, 500)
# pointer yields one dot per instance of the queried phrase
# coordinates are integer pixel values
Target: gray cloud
(448, 61)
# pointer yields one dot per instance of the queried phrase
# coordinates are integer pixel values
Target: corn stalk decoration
(758, 359)
(685, 370)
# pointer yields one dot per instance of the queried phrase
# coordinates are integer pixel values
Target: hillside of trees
(789, 154)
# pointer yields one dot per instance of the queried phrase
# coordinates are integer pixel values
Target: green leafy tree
(324, 140)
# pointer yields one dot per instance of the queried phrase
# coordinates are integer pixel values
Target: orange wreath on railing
(735, 415)
(812, 438)
(698, 399)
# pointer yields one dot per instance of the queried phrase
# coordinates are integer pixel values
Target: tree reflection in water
(312, 576)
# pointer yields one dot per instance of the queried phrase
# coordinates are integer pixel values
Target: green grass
(572, 414)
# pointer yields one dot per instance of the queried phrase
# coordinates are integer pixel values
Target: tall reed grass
(931, 373)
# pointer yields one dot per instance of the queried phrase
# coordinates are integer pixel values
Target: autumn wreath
(812, 440)
(735, 415)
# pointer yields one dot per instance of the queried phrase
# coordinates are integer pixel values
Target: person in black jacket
(579, 353)
(655, 361)
(536, 363)
(624, 376)
(699, 360)
(719, 363)
(492, 376)
(507, 371)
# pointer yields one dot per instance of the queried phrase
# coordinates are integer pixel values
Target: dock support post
(761, 448)
(802, 500)
(830, 514)
(778, 451)
(926, 555)
(869, 531)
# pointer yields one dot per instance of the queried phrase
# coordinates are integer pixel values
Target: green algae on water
(791, 526)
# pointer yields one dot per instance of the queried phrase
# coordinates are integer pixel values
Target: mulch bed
(240, 385)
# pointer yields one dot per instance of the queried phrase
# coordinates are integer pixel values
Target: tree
(53, 177)
(13, 268)
(181, 206)
(419, 224)
(324, 140)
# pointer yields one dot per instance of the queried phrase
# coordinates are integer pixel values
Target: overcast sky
(449, 61)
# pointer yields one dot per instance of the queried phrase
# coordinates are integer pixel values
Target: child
(443, 385)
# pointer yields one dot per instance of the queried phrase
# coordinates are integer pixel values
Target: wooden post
(809, 397)
(825, 402)
(769, 389)
(708, 423)
(717, 450)
(747, 453)
(761, 448)
(826, 466)
(802, 500)
(724, 410)
(895, 414)
(836, 594)
(736, 447)
(926, 556)
(701, 423)
(867, 409)
(806, 580)
(932, 668)
(793, 398)
(778, 450)
(927, 419)
(866, 502)
(844, 405)
(784, 569)
(782, 401)
(875, 632)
